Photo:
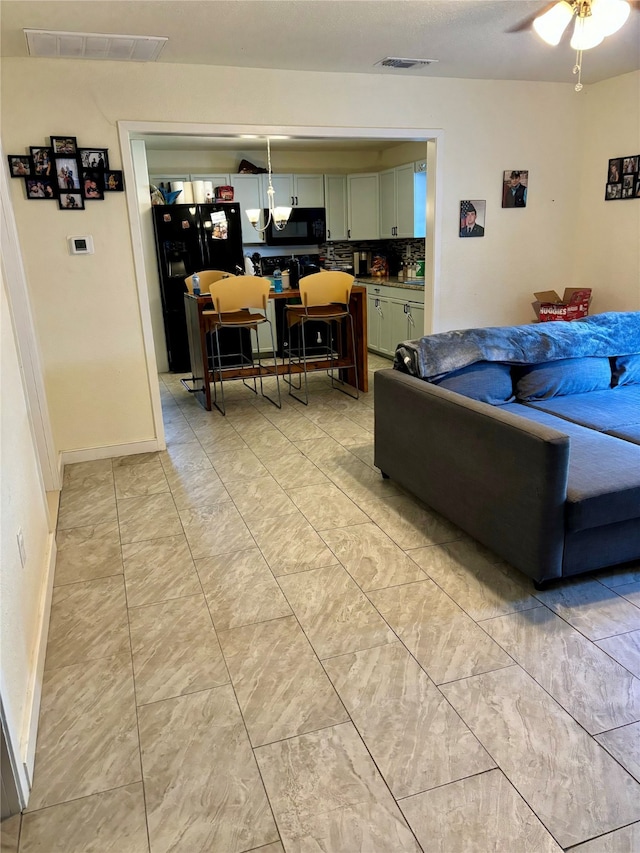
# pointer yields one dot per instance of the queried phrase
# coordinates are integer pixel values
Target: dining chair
(240, 302)
(324, 297)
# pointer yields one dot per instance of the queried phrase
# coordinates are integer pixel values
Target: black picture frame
(90, 158)
(42, 158)
(71, 200)
(93, 184)
(41, 188)
(63, 146)
(113, 182)
(20, 165)
(67, 173)
(623, 178)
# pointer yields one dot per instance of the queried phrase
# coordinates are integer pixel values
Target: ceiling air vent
(400, 62)
(64, 45)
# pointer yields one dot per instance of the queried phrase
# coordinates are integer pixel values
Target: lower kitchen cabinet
(393, 315)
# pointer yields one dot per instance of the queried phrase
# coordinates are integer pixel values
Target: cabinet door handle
(329, 234)
(349, 233)
(291, 201)
(296, 201)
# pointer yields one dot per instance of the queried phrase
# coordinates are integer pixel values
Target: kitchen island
(198, 326)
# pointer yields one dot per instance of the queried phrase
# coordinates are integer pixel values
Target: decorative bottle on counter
(195, 281)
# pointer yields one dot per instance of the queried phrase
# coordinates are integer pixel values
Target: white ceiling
(468, 37)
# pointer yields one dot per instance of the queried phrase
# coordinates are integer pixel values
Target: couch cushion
(628, 433)
(486, 381)
(601, 410)
(625, 369)
(559, 378)
(604, 473)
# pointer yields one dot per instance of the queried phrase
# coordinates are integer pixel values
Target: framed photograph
(42, 160)
(629, 165)
(627, 186)
(472, 217)
(615, 170)
(64, 145)
(41, 188)
(613, 191)
(94, 158)
(92, 184)
(638, 187)
(70, 201)
(514, 187)
(113, 182)
(20, 165)
(67, 173)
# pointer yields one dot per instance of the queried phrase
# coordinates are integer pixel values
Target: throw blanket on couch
(607, 334)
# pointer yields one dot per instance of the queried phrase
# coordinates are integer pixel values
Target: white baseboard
(34, 691)
(111, 450)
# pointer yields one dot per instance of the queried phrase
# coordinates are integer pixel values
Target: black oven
(307, 226)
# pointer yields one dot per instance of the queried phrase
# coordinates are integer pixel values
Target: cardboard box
(224, 193)
(573, 305)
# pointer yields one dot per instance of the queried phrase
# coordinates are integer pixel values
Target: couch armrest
(498, 476)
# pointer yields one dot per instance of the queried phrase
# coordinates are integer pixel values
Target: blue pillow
(626, 369)
(563, 377)
(486, 381)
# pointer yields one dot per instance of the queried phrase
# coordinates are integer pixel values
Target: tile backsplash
(394, 250)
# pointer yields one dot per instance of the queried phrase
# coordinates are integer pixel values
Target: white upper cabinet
(363, 206)
(398, 202)
(308, 190)
(295, 190)
(388, 207)
(247, 192)
(335, 195)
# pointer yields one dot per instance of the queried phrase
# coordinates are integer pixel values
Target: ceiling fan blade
(527, 22)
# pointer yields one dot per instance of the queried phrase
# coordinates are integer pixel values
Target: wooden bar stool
(325, 296)
(233, 301)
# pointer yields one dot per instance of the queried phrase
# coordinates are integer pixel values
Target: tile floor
(257, 644)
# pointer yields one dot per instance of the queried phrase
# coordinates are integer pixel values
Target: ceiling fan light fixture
(553, 23)
(610, 15)
(586, 34)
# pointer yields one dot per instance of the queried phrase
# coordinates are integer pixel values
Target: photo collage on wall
(65, 172)
(623, 178)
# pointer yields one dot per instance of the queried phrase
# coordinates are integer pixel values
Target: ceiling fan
(594, 20)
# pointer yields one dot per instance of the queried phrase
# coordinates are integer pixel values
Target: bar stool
(207, 278)
(325, 296)
(233, 299)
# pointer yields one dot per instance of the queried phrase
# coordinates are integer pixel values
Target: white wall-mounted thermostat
(80, 245)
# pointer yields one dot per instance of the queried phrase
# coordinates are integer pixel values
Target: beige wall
(86, 310)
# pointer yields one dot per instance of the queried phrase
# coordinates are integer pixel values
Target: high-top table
(198, 326)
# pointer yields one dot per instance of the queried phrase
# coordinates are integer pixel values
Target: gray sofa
(526, 437)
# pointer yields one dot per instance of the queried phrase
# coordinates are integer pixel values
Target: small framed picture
(67, 173)
(94, 158)
(92, 181)
(615, 170)
(472, 216)
(514, 187)
(41, 188)
(629, 165)
(70, 201)
(113, 182)
(42, 160)
(613, 192)
(638, 187)
(627, 186)
(64, 145)
(20, 165)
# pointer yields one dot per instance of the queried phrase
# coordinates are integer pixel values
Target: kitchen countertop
(392, 281)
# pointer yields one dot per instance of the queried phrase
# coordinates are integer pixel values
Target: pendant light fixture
(279, 215)
(595, 20)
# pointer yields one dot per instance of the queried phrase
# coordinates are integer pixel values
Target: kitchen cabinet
(398, 200)
(247, 192)
(363, 197)
(335, 196)
(394, 314)
(295, 190)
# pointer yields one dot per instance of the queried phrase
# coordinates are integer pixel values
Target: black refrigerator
(190, 238)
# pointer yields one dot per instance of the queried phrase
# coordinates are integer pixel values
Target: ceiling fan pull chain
(577, 69)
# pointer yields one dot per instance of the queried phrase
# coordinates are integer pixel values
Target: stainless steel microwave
(307, 226)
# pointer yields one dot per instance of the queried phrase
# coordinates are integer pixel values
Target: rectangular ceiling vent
(400, 62)
(63, 45)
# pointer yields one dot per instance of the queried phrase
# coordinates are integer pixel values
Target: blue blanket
(607, 334)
